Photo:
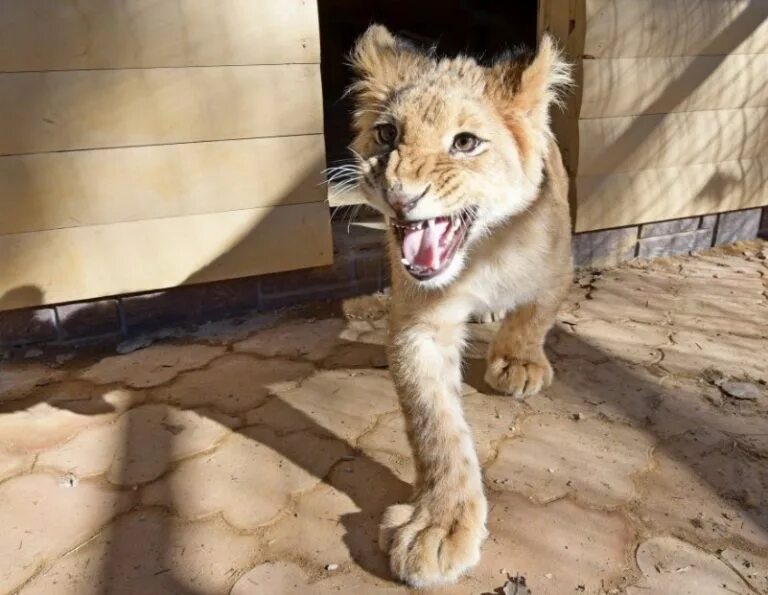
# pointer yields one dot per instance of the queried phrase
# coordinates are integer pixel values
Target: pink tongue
(421, 246)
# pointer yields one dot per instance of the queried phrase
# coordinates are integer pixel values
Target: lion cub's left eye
(465, 142)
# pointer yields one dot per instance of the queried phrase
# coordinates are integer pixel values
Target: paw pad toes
(423, 553)
(518, 378)
(394, 517)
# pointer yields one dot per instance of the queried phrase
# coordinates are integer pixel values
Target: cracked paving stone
(363, 331)
(752, 323)
(724, 266)
(13, 464)
(314, 530)
(311, 340)
(302, 488)
(152, 366)
(38, 428)
(338, 523)
(234, 383)
(372, 487)
(148, 551)
(60, 416)
(249, 478)
(20, 380)
(491, 418)
(610, 389)
(232, 330)
(593, 461)
(288, 577)
(688, 407)
(715, 296)
(575, 295)
(357, 355)
(673, 566)
(556, 547)
(272, 577)
(696, 350)
(680, 495)
(739, 479)
(42, 519)
(361, 347)
(139, 447)
(388, 445)
(341, 402)
(626, 295)
(752, 568)
(86, 398)
(563, 343)
(623, 340)
(724, 306)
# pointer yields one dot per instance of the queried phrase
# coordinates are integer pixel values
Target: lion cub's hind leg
(517, 364)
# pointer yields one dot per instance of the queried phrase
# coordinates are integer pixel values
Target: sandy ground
(256, 456)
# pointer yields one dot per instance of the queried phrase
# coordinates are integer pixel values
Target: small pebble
(64, 357)
(745, 391)
(69, 481)
(331, 566)
(131, 345)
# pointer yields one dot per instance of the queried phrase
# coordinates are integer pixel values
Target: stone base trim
(359, 268)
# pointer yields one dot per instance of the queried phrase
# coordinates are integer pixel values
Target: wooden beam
(56, 111)
(89, 262)
(74, 188)
(635, 143)
(40, 35)
(643, 28)
(669, 193)
(634, 86)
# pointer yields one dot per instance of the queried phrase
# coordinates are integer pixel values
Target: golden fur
(516, 259)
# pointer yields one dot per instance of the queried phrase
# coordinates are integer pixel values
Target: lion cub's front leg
(437, 536)
(517, 364)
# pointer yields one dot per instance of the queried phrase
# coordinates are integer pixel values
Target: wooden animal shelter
(151, 144)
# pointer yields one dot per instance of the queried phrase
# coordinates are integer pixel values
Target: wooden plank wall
(670, 116)
(149, 144)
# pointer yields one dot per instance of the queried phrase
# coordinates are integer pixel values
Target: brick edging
(359, 267)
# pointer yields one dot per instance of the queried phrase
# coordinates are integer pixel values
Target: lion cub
(461, 161)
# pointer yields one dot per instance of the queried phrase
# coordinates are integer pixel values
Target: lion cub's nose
(403, 202)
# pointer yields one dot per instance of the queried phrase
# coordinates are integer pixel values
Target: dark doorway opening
(481, 28)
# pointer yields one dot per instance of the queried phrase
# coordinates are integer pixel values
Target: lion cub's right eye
(386, 134)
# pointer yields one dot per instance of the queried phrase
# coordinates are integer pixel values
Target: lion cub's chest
(500, 283)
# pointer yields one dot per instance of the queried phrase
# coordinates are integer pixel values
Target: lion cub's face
(448, 149)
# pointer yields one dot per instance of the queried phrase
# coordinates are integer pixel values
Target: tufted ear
(382, 63)
(525, 88)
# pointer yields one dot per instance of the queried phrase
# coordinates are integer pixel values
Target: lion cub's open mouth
(428, 246)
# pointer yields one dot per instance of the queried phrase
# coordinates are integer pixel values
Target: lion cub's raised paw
(424, 551)
(518, 377)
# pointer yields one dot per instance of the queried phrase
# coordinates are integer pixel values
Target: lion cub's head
(448, 148)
